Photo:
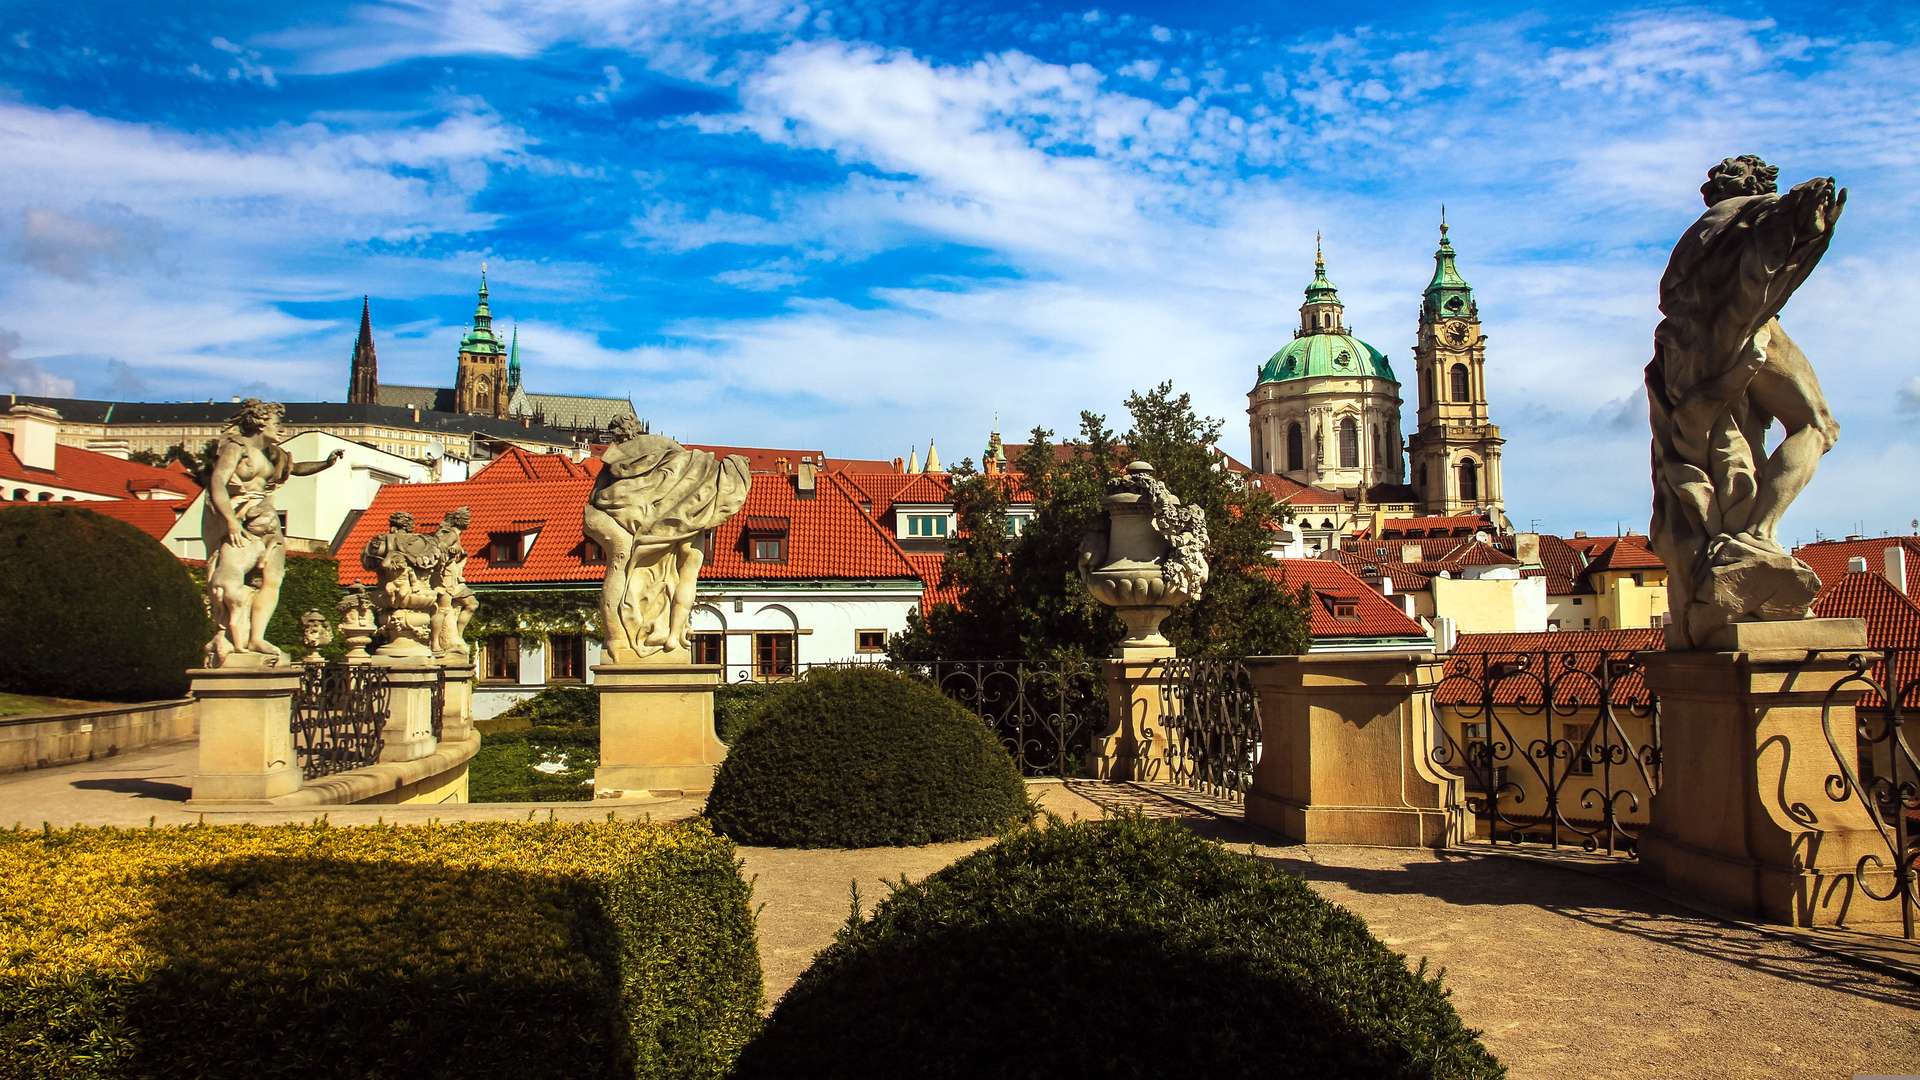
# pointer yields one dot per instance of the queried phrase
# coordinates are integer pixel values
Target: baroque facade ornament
(246, 551)
(1723, 372)
(1151, 556)
(651, 503)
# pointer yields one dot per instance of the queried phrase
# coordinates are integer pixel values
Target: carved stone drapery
(1149, 559)
(1723, 371)
(407, 564)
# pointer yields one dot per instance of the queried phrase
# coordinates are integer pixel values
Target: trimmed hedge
(862, 757)
(93, 608)
(1123, 948)
(736, 706)
(312, 584)
(566, 950)
(556, 706)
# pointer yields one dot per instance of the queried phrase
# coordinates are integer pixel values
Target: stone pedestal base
(456, 715)
(409, 731)
(1344, 755)
(1131, 744)
(656, 727)
(246, 733)
(1743, 821)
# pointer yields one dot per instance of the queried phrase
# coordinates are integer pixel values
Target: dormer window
(926, 526)
(1343, 607)
(592, 553)
(766, 538)
(510, 548)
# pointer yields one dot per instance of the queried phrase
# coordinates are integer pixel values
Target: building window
(927, 526)
(500, 658)
(709, 648)
(1469, 481)
(1580, 759)
(870, 641)
(1017, 524)
(592, 553)
(504, 549)
(769, 549)
(1349, 444)
(1296, 448)
(772, 656)
(46, 496)
(566, 658)
(1461, 392)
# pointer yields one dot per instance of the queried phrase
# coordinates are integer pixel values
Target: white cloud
(1910, 395)
(767, 277)
(19, 375)
(606, 90)
(1161, 34)
(1142, 68)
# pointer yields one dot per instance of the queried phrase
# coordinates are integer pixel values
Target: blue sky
(857, 226)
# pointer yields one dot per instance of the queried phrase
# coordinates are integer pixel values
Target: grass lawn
(26, 704)
(538, 765)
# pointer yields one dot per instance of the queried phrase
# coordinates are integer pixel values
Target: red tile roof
(516, 465)
(155, 517)
(1829, 557)
(929, 564)
(1436, 553)
(877, 489)
(829, 537)
(1567, 661)
(1563, 565)
(762, 459)
(1293, 492)
(1328, 581)
(1404, 578)
(1416, 527)
(1630, 552)
(1892, 618)
(95, 473)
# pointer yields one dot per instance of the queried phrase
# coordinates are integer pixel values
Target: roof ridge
(892, 544)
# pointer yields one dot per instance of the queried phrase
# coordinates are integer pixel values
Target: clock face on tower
(1455, 334)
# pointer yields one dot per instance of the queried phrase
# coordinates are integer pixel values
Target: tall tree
(1021, 597)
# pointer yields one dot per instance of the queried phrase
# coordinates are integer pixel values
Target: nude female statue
(246, 552)
(1723, 372)
(649, 505)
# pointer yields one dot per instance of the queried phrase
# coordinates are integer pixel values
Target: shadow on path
(145, 789)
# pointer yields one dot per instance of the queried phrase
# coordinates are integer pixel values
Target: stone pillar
(1743, 820)
(245, 715)
(1132, 745)
(1345, 751)
(656, 726)
(409, 730)
(456, 716)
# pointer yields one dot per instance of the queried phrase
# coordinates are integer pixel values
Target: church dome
(1312, 356)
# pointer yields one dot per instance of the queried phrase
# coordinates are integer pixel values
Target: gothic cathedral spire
(363, 383)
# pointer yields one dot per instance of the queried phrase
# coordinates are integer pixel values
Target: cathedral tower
(1456, 451)
(1325, 410)
(363, 384)
(480, 387)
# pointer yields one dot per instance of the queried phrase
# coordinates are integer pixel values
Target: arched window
(1296, 448)
(1469, 480)
(1379, 448)
(1461, 392)
(1349, 444)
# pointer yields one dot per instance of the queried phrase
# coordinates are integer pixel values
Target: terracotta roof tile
(1631, 552)
(1829, 557)
(94, 473)
(1892, 618)
(155, 517)
(1373, 616)
(1569, 661)
(1293, 492)
(929, 565)
(516, 465)
(1417, 527)
(1563, 565)
(1404, 578)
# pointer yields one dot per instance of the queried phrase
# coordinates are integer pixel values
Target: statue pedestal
(245, 717)
(656, 726)
(1131, 745)
(1743, 820)
(409, 732)
(456, 715)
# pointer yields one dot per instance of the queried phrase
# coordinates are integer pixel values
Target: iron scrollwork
(1884, 777)
(339, 715)
(1210, 714)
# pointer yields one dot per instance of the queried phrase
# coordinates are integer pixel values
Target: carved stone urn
(1150, 559)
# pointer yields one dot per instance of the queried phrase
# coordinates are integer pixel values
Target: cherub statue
(454, 602)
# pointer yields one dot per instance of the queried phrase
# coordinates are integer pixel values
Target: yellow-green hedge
(594, 949)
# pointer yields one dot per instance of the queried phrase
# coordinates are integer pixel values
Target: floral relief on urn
(1149, 559)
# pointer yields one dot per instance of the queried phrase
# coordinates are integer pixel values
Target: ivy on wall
(537, 615)
(312, 583)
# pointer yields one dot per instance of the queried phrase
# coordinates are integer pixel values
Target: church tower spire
(1456, 451)
(363, 381)
(1322, 313)
(479, 386)
(513, 362)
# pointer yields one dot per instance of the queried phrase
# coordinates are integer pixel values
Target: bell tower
(1455, 454)
(480, 386)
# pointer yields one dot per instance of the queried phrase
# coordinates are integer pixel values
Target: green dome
(1315, 355)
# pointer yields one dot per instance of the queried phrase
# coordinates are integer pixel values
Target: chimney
(1857, 565)
(803, 479)
(1526, 548)
(36, 428)
(1896, 556)
(1411, 553)
(1579, 534)
(1446, 633)
(113, 448)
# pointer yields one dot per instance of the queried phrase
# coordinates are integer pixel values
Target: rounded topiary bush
(93, 608)
(863, 757)
(1123, 948)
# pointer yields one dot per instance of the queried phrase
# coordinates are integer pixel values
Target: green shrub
(1124, 948)
(556, 706)
(503, 770)
(862, 757)
(567, 950)
(735, 706)
(93, 608)
(312, 584)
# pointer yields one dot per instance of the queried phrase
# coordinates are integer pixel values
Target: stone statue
(315, 632)
(246, 551)
(407, 564)
(1151, 557)
(454, 602)
(357, 623)
(1723, 372)
(649, 505)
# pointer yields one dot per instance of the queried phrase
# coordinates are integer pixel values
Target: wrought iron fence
(1210, 715)
(1045, 712)
(339, 713)
(1883, 776)
(1561, 748)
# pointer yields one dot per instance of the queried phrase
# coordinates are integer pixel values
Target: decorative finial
(1319, 263)
(1443, 223)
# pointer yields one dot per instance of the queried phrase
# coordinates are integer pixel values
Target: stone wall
(38, 741)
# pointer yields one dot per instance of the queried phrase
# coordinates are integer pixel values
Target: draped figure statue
(1723, 372)
(649, 506)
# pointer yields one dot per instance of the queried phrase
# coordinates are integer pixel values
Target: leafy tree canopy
(1022, 596)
